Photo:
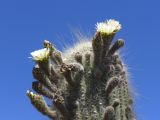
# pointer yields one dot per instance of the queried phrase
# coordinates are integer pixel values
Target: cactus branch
(97, 44)
(40, 104)
(118, 44)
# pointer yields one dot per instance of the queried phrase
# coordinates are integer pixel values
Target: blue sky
(24, 24)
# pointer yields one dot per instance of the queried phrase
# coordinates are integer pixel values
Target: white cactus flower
(40, 55)
(109, 27)
(29, 93)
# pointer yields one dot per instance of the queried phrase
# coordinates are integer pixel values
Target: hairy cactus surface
(86, 82)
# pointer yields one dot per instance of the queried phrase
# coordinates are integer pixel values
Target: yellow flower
(109, 27)
(40, 55)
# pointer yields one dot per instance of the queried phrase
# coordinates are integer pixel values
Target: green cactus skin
(86, 82)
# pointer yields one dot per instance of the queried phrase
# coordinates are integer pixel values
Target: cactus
(86, 82)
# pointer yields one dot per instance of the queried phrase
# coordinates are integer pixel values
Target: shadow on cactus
(88, 82)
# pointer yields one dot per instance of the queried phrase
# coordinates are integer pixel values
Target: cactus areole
(86, 82)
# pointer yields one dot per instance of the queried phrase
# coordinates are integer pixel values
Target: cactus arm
(39, 103)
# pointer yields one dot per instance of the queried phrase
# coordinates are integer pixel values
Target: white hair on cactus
(40, 55)
(80, 47)
(109, 27)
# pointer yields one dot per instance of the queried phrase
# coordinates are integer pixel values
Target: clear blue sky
(24, 24)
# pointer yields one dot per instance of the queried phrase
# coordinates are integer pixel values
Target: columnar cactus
(86, 82)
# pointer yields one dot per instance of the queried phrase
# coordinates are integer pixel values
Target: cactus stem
(61, 108)
(54, 76)
(39, 88)
(38, 74)
(97, 48)
(109, 113)
(56, 57)
(107, 39)
(118, 44)
(78, 57)
(87, 59)
(111, 84)
(66, 71)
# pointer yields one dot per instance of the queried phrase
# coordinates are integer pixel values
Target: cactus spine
(87, 82)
